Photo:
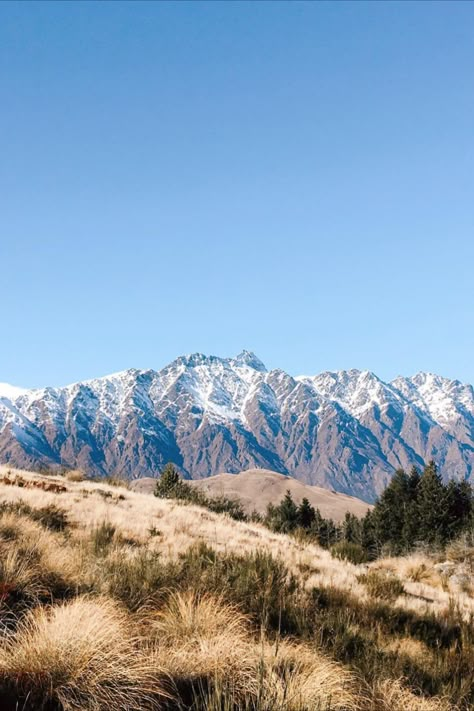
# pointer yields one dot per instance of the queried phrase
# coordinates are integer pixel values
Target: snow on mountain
(10, 391)
(346, 430)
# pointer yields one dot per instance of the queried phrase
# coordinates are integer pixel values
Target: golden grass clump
(34, 562)
(75, 475)
(205, 643)
(191, 617)
(381, 584)
(202, 637)
(300, 679)
(391, 695)
(80, 656)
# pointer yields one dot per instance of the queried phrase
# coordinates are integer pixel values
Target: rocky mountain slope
(345, 430)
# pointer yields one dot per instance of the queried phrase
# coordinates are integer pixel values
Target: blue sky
(296, 179)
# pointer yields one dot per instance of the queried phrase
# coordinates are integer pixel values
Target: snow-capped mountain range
(346, 430)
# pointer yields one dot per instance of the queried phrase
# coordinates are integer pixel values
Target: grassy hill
(113, 599)
(256, 488)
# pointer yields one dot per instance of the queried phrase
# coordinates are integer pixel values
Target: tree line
(416, 509)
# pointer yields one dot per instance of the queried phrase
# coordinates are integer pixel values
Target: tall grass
(214, 627)
(78, 656)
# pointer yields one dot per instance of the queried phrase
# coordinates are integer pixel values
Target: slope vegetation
(115, 599)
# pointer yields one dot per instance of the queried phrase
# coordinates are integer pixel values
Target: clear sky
(293, 178)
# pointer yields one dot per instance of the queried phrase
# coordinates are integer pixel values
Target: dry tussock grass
(84, 655)
(393, 696)
(34, 561)
(407, 646)
(297, 678)
(134, 515)
(81, 655)
(74, 475)
(205, 641)
(200, 637)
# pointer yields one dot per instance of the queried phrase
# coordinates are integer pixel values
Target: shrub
(135, 578)
(382, 585)
(102, 537)
(231, 507)
(51, 517)
(353, 552)
(259, 583)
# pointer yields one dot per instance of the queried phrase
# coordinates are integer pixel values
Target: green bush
(382, 585)
(51, 516)
(231, 507)
(102, 537)
(353, 552)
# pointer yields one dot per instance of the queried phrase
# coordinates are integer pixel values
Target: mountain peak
(249, 359)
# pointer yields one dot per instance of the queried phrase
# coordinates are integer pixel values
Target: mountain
(346, 430)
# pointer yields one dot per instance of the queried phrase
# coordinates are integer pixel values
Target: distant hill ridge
(345, 430)
(256, 488)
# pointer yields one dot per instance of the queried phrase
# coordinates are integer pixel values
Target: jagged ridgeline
(347, 430)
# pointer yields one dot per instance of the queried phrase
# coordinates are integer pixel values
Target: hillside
(347, 430)
(158, 605)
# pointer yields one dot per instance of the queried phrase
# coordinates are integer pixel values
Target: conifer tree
(171, 486)
(411, 532)
(324, 530)
(288, 512)
(351, 528)
(306, 514)
(431, 506)
(368, 538)
(390, 511)
(458, 508)
(284, 517)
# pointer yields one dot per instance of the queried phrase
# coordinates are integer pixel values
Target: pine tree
(413, 481)
(324, 530)
(288, 513)
(368, 537)
(306, 514)
(458, 508)
(351, 528)
(431, 506)
(411, 533)
(284, 517)
(390, 512)
(170, 485)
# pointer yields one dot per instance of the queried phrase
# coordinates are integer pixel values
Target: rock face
(345, 430)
